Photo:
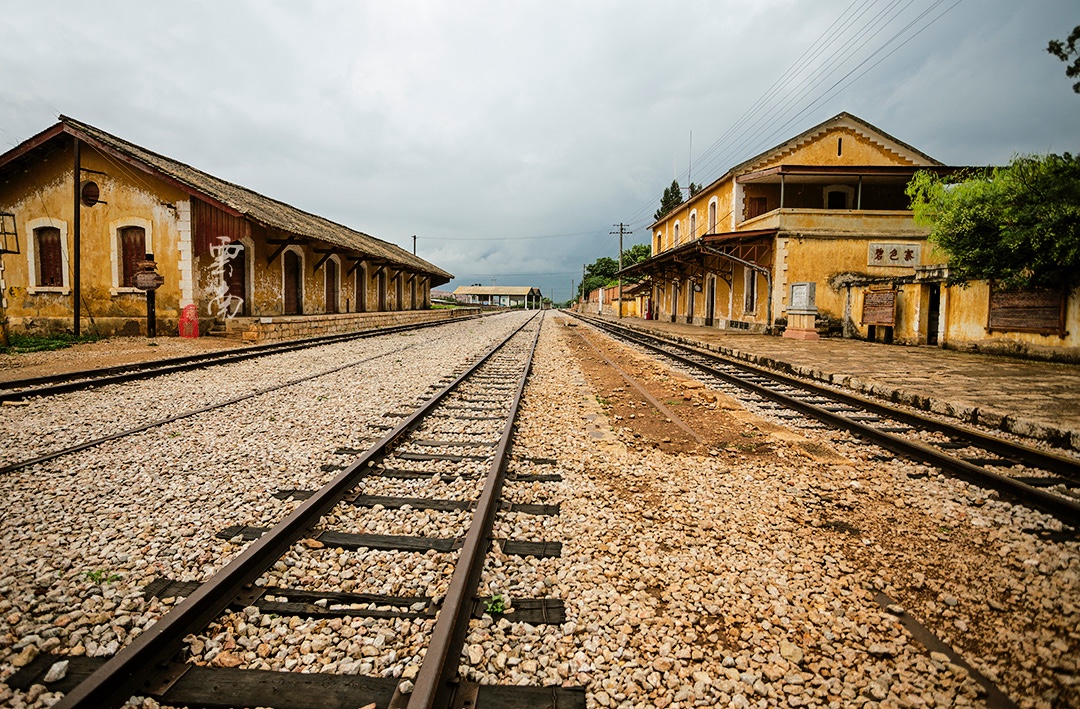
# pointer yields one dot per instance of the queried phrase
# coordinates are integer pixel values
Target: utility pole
(77, 241)
(623, 229)
(414, 244)
(571, 299)
(584, 294)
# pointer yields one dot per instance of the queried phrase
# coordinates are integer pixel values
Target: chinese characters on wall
(900, 255)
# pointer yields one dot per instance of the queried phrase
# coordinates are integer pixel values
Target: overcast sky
(512, 136)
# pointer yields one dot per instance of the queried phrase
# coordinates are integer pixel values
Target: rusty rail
(144, 662)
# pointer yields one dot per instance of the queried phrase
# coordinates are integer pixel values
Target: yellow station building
(817, 232)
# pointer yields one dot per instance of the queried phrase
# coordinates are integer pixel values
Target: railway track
(1031, 476)
(448, 458)
(124, 432)
(52, 385)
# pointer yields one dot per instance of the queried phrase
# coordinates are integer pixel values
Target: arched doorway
(332, 286)
(292, 265)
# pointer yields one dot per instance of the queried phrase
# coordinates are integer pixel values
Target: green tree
(694, 189)
(598, 274)
(636, 254)
(1018, 225)
(671, 199)
(1068, 50)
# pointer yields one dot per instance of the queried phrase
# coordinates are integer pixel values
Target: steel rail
(1039, 458)
(141, 663)
(94, 442)
(91, 378)
(1066, 510)
(434, 681)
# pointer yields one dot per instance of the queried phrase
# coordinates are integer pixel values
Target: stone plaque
(879, 308)
(898, 255)
(803, 296)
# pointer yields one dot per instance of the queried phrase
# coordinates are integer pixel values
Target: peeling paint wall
(131, 198)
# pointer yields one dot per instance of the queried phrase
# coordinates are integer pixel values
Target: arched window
(50, 271)
(712, 216)
(132, 239)
(676, 234)
(693, 225)
(132, 250)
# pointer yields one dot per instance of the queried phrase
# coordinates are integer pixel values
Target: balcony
(865, 200)
(863, 222)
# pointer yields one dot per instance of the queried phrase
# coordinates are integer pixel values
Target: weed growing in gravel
(496, 605)
(603, 402)
(102, 576)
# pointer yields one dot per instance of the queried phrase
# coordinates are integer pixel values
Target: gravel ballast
(714, 578)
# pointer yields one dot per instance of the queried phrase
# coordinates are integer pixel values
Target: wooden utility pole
(414, 244)
(623, 229)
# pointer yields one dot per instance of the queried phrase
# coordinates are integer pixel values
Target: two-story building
(826, 207)
(817, 232)
(85, 208)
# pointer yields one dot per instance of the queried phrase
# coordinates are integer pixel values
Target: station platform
(1030, 398)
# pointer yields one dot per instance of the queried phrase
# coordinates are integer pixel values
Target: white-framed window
(676, 231)
(47, 256)
(713, 204)
(693, 226)
(658, 242)
(128, 237)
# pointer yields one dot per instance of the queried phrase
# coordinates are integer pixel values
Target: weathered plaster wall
(132, 198)
(965, 310)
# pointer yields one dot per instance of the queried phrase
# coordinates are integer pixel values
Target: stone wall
(295, 327)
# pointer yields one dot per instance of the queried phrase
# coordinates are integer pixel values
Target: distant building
(527, 297)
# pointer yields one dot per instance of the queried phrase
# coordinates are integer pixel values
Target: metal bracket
(250, 595)
(163, 682)
(465, 696)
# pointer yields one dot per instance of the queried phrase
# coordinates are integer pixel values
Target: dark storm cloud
(497, 121)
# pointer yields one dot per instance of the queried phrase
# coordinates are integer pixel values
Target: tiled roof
(259, 208)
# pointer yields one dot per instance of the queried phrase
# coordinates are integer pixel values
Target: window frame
(32, 226)
(117, 252)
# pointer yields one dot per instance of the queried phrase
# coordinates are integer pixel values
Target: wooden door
(331, 287)
(293, 287)
(133, 250)
(50, 257)
(361, 288)
(236, 279)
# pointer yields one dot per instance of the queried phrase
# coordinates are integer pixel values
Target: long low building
(223, 252)
(527, 297)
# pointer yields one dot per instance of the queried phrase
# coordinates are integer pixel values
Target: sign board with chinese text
(879, 308)
(1027, 311)
(898, 255)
